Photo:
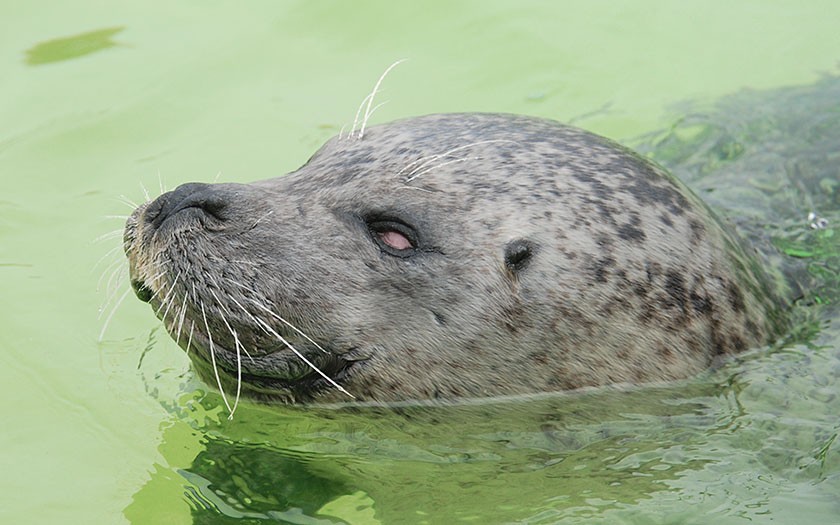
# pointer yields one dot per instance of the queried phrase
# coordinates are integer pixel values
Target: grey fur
(547, 258)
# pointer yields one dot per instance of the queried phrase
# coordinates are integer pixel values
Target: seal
(449, 256)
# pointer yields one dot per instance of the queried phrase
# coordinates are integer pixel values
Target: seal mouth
(279, 374)
(143, 292)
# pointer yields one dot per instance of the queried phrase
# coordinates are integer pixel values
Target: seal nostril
(143, 292)
(214, 205)
(203, 197)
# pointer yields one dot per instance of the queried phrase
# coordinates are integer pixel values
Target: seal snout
(203, 198)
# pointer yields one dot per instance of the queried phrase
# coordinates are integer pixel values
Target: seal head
(449, 256)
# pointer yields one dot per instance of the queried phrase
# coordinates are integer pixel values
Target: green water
(101, 100)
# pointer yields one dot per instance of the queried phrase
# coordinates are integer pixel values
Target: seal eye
(394, 238)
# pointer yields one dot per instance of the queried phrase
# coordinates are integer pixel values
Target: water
(156, 95)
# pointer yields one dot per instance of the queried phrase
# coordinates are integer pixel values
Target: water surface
(103, 103)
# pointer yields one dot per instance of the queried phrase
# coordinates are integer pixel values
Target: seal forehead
(468, 160)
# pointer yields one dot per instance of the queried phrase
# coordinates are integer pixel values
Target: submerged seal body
(449, 256)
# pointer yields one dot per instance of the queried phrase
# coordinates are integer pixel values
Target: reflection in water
(507, 459)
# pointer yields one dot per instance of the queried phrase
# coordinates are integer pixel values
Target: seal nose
(192, 195)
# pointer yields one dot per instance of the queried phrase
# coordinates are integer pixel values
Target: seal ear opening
(518, 254)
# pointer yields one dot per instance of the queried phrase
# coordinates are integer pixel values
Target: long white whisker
(213, 360)
(113, 265)
(181, 320)
(165, 300)
(287, 323)
(109, 253)
(265, 326)
(358, 114)
(273, 314)
(189, 340)
(111, 316)
(117, 276)
(438, 166)
(423, 162)
(145, 192)
(373, 95)
(300, 356)
(125, 200)
(109, 235)
(238, 346)
(225, 320)
(262, 218)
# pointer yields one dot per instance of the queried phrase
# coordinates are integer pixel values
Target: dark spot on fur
(701, 304)
(518, 254)
(668, 196)
(698, 231)
(652, 270)
(665, 353)
(604, 241)
(736, 298)
(640, 289)
(753, 329)
(600, 268)
(629, 232)
(675, 286)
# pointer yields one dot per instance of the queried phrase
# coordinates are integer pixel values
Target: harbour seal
(449, 256)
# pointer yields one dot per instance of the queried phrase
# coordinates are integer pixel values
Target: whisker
(154, 279)
(110, 235)
(189, 340)
(438, 166)
(263, 217)
(165, 300)
(368, 111)
(423, 162)
(125, 200)
(287, 323)
(358, 114)
(237, 345)
(116, 263)
(181, 320)
(267, 328)
(271, 313)
(225, 320)
(145, 192)
(213, 360)
(300, 356)
(111, 316)
(117, 276)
